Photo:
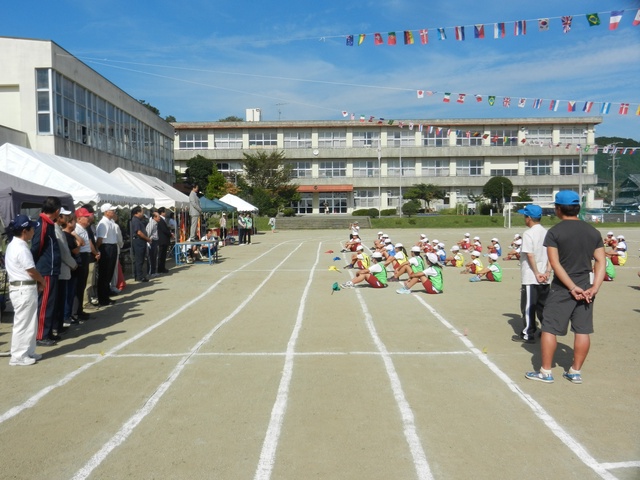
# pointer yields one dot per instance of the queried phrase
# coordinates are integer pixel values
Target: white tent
(164, 195)
(239, 203)
(85, 182)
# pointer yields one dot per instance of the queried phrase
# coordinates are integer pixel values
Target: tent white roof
(239, 203)
(164, 195)
(84, 181)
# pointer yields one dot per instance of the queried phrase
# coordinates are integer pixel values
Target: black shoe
(518, 338)
(145, 279)
(82, 316)
(63, 329)
(109, 302)
(74, 321)
(163, 271)
(55, 337)
(45, 342)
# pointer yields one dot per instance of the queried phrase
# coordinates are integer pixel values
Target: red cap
(83, 212)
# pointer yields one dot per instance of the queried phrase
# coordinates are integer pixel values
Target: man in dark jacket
(164, 240)
(46, 254)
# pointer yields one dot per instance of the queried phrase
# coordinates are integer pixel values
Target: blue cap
(533, 211)
(22, 221)
(567, 197)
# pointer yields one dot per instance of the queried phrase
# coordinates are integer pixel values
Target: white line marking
(415, 446)
(270, 444)
(33, 400)
(538, 410)
(266, 354)
(150, 404)
(613, 465)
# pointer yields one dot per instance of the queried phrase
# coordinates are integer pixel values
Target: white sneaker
(403, 291)
(22, 361)
(36, 356)
(347, 285)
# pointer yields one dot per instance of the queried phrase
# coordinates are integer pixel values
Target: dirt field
(252, 368)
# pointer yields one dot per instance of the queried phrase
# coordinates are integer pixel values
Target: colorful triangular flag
(491, 100)
(636, 20)
(361, 38)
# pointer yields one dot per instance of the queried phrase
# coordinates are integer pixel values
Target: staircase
(320, 222)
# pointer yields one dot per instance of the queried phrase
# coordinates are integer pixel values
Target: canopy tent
(239, 203)
(18, 194)
(164, 195)
(84, 181)
(215, 206)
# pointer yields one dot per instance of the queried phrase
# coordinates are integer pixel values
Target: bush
(411, 207)
(389, 212)
(373, 212)
(362, 212)
(485, 209)
(288, 212)
(448, 211)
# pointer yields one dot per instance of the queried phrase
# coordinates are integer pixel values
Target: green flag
(593, 19)
(492, 100)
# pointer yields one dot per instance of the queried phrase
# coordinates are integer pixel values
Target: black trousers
(153, 257)
(106, 267)
(139, 254)
(162, 257)
(82, 274)
(532, 300)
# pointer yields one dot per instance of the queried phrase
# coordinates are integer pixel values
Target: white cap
(64, 211)
(106, 207)
(441, 245)
(517, 235)
(398, 245)
(477, 243)
(376, 255)
(475, 253)
(422, 235)
(435, 240)
(432, 257)
(467, 234)
(494, 239)
(493, 256)
(384, 235)
(455, 248)
(387, 241)
(415, 248)
(620, 237)
(609, 234)
(359, 247)
(380, 233)
(476, 238)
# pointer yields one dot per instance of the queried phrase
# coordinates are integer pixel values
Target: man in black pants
(164, 240)
(107, 243)
(139, 243)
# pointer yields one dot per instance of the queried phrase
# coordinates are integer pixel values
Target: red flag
(391, 40)
(624, 109)
(461, 97)
(424, 36)
(377, 39)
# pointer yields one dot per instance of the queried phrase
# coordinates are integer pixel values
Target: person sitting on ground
(426, 246)
(440, 252)
(493, 272)
(375, 275)
(388, 250)
(456, 259)
(465, 243)
(354, 256)
(514, 254)
(398, 259)
(422, 240)
(619, 256)
(414, 265)
(352, 244)
(610, 241)
(431, 277)
(609, 270)
(363, 261)
(377, 242)
(475, 265)
(476, 246)
(495, 247)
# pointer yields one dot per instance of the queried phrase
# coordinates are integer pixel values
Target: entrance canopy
(214, 206)
(163, 194)
(239, 203)
(84, 181)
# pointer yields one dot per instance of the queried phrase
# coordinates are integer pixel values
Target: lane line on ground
(538, 410)
(268, 354)
(128, 427)
(270, 444)
(34, 399)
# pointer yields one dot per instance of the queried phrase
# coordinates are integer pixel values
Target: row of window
(431, 137)
(430, 168)
(67, 109)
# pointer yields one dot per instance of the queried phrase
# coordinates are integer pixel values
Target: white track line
(150, 404)
(33, 400)
(270, 444)
(538, 410)
(268, 354)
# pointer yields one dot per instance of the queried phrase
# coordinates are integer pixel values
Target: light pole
(379, 179)
(400, 199)
(613, 168)
(580, 173)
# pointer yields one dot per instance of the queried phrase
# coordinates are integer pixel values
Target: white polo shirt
(18, 260)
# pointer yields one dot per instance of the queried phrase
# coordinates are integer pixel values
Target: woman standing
(24, 282)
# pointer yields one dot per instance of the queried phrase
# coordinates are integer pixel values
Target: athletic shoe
(66, 323)
(21, 362)
(573, 377)
(347, 285)
(36, 356)
(393, 279)
(403, 291)
(348, 266)
(94, 301)
(475, 278)
(540, 377)
(518, 338)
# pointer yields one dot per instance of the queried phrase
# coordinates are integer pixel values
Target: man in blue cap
(571, 245)
(534, 274)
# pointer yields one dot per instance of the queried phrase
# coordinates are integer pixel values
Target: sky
(203, 60)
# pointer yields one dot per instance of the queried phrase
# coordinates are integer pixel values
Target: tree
(523, 196)
(425, 192)
(268, 181)
(411, 207)
(216, 184)
(231, 118)
(198, 171)
(150, 107)
(170, 118)
(497, 189)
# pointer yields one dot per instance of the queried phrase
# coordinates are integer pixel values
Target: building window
(541, 194)
(408, 167)
(401, 138)
(573, 135)
(300, 169)
(569, 166)
(504, 137)
(393, 197)
(332, 169)
(332, 139)
(435, 168)
(43, 100)
(504, 172)
(263, 139)
(227, 140)
(469, 168)
(470, 138)
(296, 139)
(435, 137)
(334, 202)
(537, 166)
(366, 138)
(366, 199)
(365, 168)
(305, 205)
(539, 136)
(193, 141)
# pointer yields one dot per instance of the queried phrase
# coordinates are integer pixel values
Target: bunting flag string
(499, 28)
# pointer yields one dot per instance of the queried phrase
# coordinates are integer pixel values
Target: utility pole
(613, 168)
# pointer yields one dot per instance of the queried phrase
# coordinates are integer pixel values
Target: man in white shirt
(534, 272)
(107, 243)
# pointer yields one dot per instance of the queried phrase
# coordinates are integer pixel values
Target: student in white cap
(414, 265)
(491, 272)
(375, 275)
(431, 278)
(514, 254)
(475, 265)
(455, 259)
(610, 241)
(465, 243)
(398, 259)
